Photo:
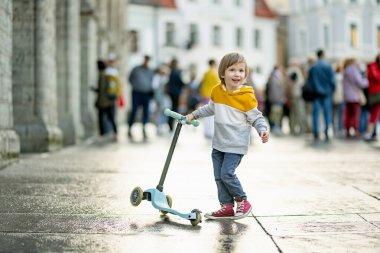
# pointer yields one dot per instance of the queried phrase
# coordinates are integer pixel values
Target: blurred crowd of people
(346, 93)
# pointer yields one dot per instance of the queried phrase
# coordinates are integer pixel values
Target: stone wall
(35, 75)
(9, 141)
(68, 71)
(48, 54)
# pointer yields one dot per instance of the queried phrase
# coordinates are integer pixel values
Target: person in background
(141, 79)
(297, 114)
(105, 101)
(353, 83)
(161, 99)
(338, 102)
(311, 59)
(235, 109)
(174, 88)
(209, 80)
(373, 73)
(193, 98)
(276, 97)
(113, 73)
(322, 78)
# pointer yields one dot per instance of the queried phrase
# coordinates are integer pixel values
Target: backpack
(113, 87)
(308, 92)
(293, 76)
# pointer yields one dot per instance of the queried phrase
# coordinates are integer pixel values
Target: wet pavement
(306, 197)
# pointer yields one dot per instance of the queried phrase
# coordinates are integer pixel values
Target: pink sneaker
(243, 208)
(226, 212)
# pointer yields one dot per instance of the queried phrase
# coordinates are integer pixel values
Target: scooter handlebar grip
(179, 117)
(195, 122)
(172, 114)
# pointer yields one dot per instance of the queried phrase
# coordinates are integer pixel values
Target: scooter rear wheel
(170, 203)
(136, 196)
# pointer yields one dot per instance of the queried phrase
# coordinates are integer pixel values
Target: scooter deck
(159, 202)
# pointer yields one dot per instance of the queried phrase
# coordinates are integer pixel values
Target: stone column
(88, 74)
(9, 141)
(34, 75)
(68, 66)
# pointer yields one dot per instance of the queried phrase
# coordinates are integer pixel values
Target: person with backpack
(107, 92)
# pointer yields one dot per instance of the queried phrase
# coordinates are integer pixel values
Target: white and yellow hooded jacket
(234, 114)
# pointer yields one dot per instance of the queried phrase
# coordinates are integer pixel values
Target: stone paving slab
(373, 218)
(317, 224)
(312, 200)
(330, 243)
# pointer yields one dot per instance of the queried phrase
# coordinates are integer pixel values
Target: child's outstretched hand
(264, 136)
(189, 118)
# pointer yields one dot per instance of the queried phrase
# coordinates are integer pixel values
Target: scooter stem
(160, 185)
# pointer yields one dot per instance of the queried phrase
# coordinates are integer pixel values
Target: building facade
(48, 64)
(344, 28)
(193, 31)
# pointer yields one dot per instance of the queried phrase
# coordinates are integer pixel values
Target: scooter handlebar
(182, 119)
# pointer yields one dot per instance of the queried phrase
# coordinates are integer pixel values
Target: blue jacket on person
(322, 78)
(175, 83)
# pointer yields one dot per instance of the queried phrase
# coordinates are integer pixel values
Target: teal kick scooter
(159, 200)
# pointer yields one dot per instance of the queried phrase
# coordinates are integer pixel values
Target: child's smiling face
(234, 76)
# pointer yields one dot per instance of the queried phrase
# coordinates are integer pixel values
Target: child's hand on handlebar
(189, 117)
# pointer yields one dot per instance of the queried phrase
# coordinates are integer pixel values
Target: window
(133, 41)
(257, 39)
(193, 36)
(378, 36)
(326, 36)
(169, 36)
(216, 1)
(354, 36)
(216, 36)
(353, 1)
(378, 2)
(238, 3)
(239, 37)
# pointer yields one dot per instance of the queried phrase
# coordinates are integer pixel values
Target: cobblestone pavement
(306, 198)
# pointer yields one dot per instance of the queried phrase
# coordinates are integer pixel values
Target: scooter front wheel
(197, 219)
(170, 203)
(136, 196)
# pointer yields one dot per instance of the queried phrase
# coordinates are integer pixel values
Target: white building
(193, 31)
(344, 28)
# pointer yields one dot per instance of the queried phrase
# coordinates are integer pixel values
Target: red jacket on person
(373, 74)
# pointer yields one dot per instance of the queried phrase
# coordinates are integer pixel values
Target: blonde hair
(347, 62)
(227, 61)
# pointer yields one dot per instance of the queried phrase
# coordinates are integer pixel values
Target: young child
(235, 109)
